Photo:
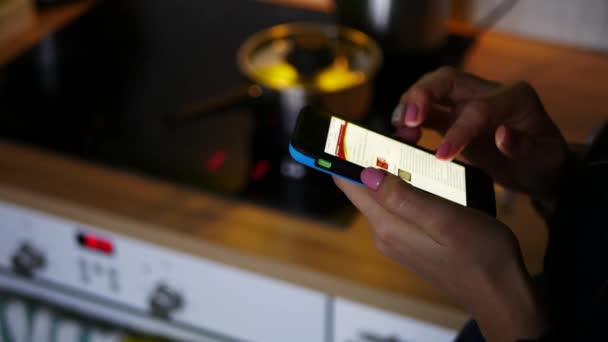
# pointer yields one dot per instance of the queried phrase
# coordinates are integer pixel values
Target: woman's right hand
(500, 128)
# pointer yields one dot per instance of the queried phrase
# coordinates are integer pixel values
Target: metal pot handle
(239, 95)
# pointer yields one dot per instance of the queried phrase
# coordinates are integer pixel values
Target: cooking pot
(302, 64)
(412, 26)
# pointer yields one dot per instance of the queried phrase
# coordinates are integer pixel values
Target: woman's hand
(463, 252)
(501, 128)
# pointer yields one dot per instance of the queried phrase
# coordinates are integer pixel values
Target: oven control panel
(27, 259)
(152, 289)
(149, 280)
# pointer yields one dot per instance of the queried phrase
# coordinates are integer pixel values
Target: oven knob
(27, 260)
(164, 301)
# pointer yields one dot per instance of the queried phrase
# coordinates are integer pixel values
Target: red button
(96, 243)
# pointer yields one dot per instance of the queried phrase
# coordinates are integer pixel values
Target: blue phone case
(310, 162)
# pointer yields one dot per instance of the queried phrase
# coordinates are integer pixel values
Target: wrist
(509, 309)
(546, 202)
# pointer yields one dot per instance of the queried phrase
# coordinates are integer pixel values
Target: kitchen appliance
(313, 64)
(141, 286)
(149, 288)
(302, 63)
(413, 26)
(99, 89)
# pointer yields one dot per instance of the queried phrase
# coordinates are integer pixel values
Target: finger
(385, 224)
(509, 105)
(439, 118)
(471, 120)
(409, 134)
(397, 116)
(527, 148)
(426, 211)
(362, 200)
(444, 86)
(404, 115)
(506, 141)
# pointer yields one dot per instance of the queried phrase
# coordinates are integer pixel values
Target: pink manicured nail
(506, 137)
(372, 178)
(411, 114)
(444, 151)
(397, 116)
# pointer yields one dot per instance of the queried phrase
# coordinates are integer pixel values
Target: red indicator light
(260, 169)
(96, 243)
(217, 160)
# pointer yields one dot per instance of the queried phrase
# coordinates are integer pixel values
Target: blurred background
(138, 137)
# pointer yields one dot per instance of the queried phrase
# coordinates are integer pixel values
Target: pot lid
(315, 56)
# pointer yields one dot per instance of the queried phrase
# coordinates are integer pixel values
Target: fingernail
(444, 151)
(511, 138)
(501, 138)
(507, 140)
(396, 118)
(411, 114)
(372, 178)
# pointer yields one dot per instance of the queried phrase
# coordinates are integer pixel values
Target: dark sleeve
(575, 275)
(574, 282)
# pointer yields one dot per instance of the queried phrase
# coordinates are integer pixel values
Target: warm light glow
(338, 76)
(260, 170)
(254, 91)
(359, 38)
(279, 31)
(280, 75)
(217, 160)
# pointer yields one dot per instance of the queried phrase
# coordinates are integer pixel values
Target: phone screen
(365, 148)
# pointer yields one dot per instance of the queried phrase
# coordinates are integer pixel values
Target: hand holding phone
(335, 146)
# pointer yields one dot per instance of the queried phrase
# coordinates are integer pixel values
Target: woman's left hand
(467, 254)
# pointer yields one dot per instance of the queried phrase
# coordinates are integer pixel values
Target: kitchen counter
(45, 21)
(340, 262)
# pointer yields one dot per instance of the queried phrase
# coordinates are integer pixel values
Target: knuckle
(380, 246)
(528, 91)
(400, 203)
(525, 90)
(479, 108)
(447, 71)
(383, 235)
(393, 199)
(476, 117)
(444, 226)
(417, 93)
(524, 86)
(385, 243)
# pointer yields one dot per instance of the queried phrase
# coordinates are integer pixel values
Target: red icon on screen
(381, 163)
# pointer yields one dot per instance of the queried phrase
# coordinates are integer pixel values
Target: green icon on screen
(322, 162)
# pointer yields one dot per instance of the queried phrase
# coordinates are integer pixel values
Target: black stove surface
(99, 89)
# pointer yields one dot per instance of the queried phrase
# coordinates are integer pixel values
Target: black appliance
(99, 88)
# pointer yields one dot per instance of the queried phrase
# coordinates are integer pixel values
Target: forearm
(508, 308)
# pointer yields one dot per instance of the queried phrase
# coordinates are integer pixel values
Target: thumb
(521, 147)
(403, 200)
(508, 141)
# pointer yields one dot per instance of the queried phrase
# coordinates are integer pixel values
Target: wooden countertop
(343, 262)
(45, 22)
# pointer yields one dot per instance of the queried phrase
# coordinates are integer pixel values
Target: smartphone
(326, 142)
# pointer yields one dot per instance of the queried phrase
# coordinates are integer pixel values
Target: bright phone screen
(365, 148)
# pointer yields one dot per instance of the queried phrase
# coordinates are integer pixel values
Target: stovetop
(99, 88)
